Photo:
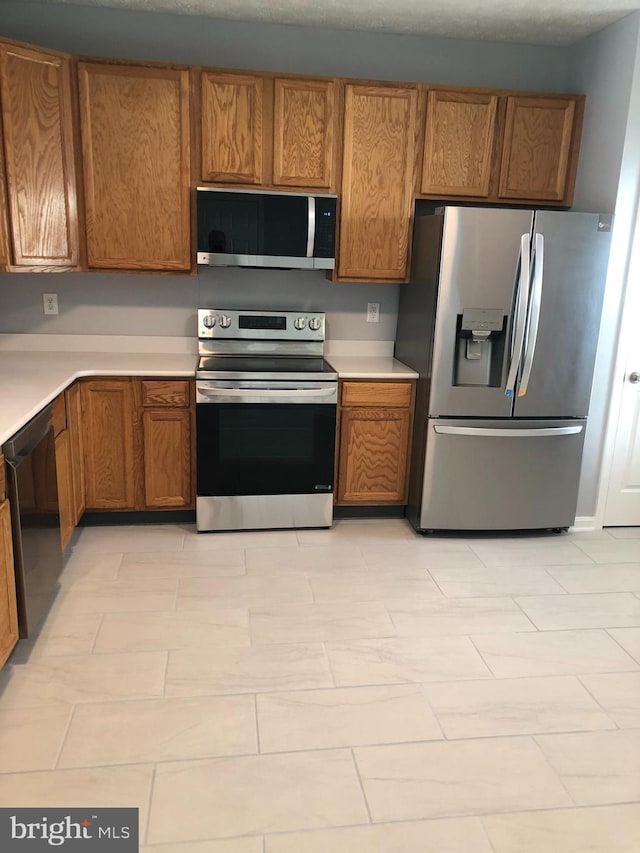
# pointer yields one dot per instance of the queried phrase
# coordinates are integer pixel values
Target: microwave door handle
(520, 316)
(311, 226)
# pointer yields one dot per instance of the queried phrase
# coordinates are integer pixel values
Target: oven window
(275, 436)
(257, 449)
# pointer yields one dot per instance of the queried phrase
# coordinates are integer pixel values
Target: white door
(623, 496)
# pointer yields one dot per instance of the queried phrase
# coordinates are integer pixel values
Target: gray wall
(606, 66)
(234, 44)
(100, 304)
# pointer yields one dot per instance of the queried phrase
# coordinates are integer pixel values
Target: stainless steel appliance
(253, 228)
(265, 421)
(501, 320)
(33, 494)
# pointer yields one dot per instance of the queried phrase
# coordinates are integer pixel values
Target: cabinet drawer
(397, 394)
(165, 393)
(59, 415)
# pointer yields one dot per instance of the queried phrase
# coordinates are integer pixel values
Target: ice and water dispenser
(480, 347)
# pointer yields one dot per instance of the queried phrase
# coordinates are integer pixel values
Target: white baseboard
(586, 522)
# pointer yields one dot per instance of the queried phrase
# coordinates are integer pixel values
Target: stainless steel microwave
(251, 228)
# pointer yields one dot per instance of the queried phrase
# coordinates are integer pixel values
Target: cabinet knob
(634, 377)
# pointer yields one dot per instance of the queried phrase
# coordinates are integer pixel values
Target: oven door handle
(267, 392)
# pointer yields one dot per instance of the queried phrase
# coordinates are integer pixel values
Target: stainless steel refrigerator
(500, 319)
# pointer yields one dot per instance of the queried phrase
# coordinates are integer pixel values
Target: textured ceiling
(556, 22)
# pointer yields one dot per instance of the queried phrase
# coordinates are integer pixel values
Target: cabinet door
(303, 133)
(458, 145)
(76, 449)
(167, 457)
(135, 140)
(8, 606)
(231, 127)
(373, 455)
(538, 152)
(4, 212)
(108, 408)
(35, 93)
(377, 182)
(65, 488)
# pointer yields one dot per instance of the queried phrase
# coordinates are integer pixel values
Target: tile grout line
(598, 703)
(95, 639)
(557, 775)
(485, 831)
(164, 678)
(64, 738)
(616, 641)
(361, 784)
(255, 709)
(119, 566)
(149, 800)
(334, 685)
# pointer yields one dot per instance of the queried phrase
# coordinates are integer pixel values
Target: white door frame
(628, 326)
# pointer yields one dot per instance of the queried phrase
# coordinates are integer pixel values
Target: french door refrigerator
(500, 319)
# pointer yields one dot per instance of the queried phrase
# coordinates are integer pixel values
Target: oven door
(265, 455)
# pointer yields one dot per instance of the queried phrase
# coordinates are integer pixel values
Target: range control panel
(225, 324)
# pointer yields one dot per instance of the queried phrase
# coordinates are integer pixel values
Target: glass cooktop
(267, 367)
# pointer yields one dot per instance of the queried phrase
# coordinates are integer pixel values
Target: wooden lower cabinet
(375, 431)
(111, 463)
(67, 428)
(65, 488)
(167, 458)
(138, 444)
(76, 449)
(8, 606)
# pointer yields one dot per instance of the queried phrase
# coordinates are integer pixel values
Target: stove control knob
(299, 323)
(315, 323)
(209, 321)
(224, 321)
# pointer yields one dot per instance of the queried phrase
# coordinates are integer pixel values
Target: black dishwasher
(33, 494)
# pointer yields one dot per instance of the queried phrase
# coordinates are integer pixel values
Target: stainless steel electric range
(266, 403)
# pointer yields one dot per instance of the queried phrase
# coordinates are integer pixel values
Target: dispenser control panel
(482, 319)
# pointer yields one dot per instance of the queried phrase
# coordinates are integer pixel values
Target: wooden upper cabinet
(540, 150)
(377, 182)
(35, 92)
(135, 142)
(459, 140)
(303, 133)
(231, 127)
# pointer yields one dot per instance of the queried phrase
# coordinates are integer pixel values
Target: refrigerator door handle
(534, 313)
(521, 315)
(488, 432)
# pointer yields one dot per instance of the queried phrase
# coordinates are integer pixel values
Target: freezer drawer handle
(509, 433)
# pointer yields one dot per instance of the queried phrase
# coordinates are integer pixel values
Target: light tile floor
(354, 690)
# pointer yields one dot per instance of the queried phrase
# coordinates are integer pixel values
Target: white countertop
(34, 369)
(30, 380)
(370, 367)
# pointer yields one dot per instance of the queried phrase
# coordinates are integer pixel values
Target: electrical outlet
(50, 303)
(373, 312)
